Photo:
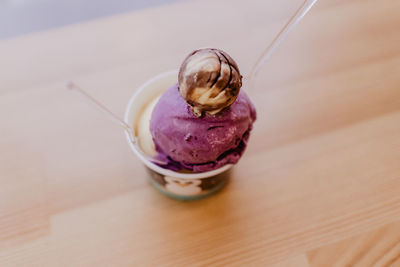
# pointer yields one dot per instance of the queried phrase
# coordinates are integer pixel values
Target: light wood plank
(378, 248)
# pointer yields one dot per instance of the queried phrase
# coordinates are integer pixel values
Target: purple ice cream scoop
(199, 144)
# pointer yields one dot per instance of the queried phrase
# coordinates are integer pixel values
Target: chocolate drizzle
(209, 80)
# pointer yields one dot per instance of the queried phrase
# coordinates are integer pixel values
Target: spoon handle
(296, 17)
(112, 115)
(115, 118)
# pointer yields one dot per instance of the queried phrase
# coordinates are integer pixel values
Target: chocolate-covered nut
(209, 80)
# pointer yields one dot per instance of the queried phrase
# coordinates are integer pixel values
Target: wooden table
(319, 184)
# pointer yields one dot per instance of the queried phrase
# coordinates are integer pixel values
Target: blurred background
(19, 17)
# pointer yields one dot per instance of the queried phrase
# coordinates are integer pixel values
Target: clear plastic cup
(178, 185)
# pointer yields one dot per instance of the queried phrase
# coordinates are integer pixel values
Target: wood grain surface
(319, 183)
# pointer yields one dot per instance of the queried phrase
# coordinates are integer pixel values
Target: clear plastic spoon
(115, 118)
(293, 21)
(296, 17)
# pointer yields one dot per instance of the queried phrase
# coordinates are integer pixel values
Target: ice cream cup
(178, 185)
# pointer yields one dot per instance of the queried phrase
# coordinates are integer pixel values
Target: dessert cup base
(188, 198)
(188, 189)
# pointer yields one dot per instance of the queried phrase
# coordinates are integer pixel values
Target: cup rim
(166, 172)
